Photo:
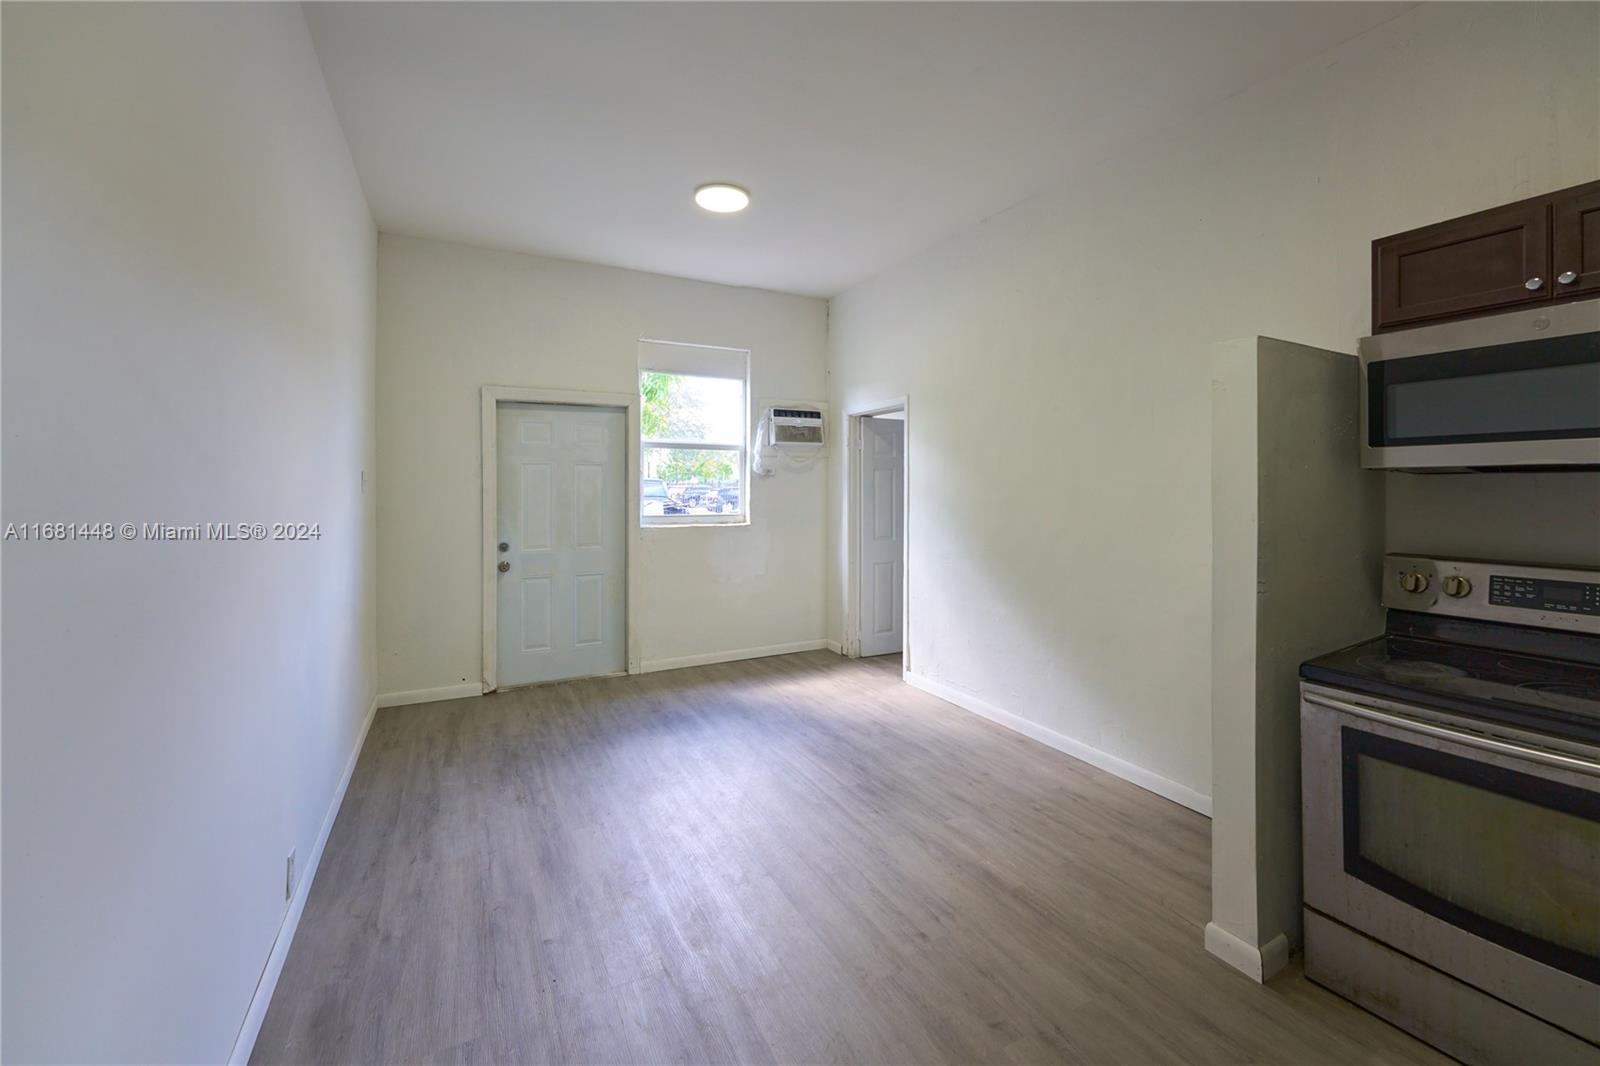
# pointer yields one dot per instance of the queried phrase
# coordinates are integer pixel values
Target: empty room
(786, 533)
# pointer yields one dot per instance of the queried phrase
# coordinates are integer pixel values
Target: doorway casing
(852, 505)
(492, 397)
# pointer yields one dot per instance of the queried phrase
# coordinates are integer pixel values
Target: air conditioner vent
(795, 428)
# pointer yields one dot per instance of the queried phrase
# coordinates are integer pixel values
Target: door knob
(1533, 284)
(504, 546)
(1567, 277)
(504, 567)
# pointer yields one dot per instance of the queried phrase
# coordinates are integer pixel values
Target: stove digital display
(1537, 594)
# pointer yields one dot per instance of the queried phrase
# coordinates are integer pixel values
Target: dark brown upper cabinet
(1492, 259)
(1575, 224)
(1532, 251)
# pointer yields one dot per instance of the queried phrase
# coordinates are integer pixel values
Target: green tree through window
(655, 389)
(669, 411)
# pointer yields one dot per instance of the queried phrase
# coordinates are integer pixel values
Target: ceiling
(864, 132)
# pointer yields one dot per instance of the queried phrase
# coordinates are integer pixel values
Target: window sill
(695, 522)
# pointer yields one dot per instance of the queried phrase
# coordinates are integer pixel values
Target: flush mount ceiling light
(721, 197)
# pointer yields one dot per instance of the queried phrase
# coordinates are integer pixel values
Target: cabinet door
(1492, 259)
(1575, 226)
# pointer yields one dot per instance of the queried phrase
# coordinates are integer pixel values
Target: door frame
(852, 506)
(492, 397)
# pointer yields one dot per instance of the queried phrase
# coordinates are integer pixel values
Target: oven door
(1514, 390)
(1474, 855)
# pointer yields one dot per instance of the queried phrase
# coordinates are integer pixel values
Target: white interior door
(562, 559)
(883, 531)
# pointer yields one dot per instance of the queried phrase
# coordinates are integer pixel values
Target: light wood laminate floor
(795, 859)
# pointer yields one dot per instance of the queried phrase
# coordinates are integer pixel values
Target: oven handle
(1471, 740)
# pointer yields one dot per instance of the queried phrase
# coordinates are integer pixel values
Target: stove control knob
(1457, 586)
(1414, 581)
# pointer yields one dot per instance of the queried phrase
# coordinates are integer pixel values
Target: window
(693, 416)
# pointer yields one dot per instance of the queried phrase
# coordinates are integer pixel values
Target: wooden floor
(796, 859)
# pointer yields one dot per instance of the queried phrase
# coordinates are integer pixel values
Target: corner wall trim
(835, 647)
(430, 695)
(1259, 964)
(652, 665)
(1138, 775)
(245, 1043)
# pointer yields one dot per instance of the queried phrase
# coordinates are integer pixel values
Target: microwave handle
(1471, 740)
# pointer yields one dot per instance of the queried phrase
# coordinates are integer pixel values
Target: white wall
(1550, 518)
(452, 319)
(188, 337)
(1295, 522)
(1055, 355)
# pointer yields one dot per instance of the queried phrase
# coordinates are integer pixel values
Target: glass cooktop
(1560, 697)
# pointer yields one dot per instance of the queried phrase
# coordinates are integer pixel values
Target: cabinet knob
(1567, 277)
(1533, 284)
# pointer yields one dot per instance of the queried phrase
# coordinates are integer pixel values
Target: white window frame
(695, 360)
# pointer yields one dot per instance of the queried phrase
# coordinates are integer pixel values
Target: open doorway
(876, 620)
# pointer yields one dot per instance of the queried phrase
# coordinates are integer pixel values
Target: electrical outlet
(288, 878)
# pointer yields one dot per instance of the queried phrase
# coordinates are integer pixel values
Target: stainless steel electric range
(1451, 793)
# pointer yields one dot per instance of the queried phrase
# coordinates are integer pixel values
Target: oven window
(1511, 857)
(1530, 390)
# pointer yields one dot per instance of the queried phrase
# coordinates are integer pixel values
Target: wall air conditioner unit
(795, 428)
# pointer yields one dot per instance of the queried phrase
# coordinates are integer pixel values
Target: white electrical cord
(794, 461)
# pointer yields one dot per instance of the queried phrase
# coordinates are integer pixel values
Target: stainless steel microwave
(1516, 390)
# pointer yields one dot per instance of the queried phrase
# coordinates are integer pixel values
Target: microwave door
(1531, 401)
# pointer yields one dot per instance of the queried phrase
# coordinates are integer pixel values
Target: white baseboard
(834, 646)
(1259, 964)
(245, 1043)
(650, 666)
(1146, 779)
(430, 695)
